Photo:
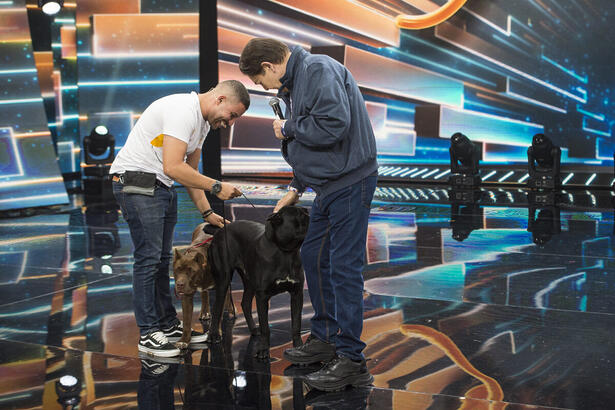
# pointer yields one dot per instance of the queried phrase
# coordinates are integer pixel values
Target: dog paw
(213, 337)
(181, 345)
(262, 354)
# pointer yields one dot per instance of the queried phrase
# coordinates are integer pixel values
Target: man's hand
(216, 220)
(290, 198)
(277, 128)
(228, 191)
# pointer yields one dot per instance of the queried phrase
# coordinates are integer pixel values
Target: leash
(198, 245)
(244, 195)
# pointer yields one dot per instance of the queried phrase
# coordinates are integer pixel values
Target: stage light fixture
(98, 154)
(97, 144)
(51, 7)
(68, 389)
(543, 161)
(464, 161)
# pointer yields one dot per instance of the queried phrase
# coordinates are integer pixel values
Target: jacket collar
(297, 55)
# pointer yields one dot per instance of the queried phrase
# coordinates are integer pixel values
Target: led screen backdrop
(499, 71)
(29, 172)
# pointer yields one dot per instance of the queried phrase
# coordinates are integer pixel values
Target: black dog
(267, 258)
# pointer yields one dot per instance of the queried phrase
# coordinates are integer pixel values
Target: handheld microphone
(274, 102)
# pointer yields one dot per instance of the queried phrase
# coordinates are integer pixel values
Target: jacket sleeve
(327, 110)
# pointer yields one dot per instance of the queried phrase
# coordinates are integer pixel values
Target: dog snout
(180, 283)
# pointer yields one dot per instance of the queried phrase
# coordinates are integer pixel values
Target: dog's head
(188, 265)
(287, 227)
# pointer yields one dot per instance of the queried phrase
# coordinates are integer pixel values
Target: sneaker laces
(333, 361)
(159, 337)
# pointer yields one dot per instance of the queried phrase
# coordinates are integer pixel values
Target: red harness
(197, 245)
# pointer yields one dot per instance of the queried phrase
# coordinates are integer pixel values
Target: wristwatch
(216, 188)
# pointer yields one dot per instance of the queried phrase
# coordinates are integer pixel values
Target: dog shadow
(257, 377)
(210, 383)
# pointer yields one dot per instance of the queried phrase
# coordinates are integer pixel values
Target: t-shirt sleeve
(178, 124)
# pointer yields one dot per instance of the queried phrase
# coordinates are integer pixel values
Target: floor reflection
(479, 299)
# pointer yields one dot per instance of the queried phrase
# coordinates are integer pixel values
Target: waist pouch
(138, 182)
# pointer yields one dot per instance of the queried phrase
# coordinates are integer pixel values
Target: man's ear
(267, 65)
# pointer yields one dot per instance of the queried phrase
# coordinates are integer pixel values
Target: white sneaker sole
(160, 353)
(194, 339)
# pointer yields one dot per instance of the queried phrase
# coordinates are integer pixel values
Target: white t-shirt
(177, 115)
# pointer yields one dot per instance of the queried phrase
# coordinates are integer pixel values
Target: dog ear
(199, 259)
(272, 221)
(176, 254)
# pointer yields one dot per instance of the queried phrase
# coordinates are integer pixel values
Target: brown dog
(192, 273)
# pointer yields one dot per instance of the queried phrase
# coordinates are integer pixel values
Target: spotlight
(50, 7)
(68, 389)
(543, 161)
(464, 161)
(98, 153)
(97, 144)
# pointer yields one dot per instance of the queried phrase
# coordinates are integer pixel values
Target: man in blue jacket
(327, 139)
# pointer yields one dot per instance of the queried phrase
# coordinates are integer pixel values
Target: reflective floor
(473, 300)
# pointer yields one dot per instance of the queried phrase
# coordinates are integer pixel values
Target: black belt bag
(138, 182)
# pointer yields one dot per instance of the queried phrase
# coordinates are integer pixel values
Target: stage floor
(499, 304)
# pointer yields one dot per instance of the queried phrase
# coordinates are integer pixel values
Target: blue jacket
(330, 141)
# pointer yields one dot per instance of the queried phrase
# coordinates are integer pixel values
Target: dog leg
(246, 306)
(262, 308)
(215, 329)
(229, 305)
(187, 307)
(205, 316)
(296, 305)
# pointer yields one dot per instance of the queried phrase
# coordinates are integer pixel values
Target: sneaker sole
(160, 360)
(194, 339)
(304, 361)
(160, 353)
(361, 380)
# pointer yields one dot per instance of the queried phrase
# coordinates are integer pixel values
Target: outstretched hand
(228, 191)
(290, 198)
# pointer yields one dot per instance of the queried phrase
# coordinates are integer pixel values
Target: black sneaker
(156, 344)
(339, 373)
(312, 351)
(153, 368)
(174, 333)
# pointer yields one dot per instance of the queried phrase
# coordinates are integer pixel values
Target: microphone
(274, 102)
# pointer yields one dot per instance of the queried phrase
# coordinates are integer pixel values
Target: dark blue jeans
(151, 220)
(333, 256)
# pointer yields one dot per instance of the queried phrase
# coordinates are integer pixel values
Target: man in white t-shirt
(165, 145)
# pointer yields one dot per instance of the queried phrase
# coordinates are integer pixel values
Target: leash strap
(201, 243)
(244, 195)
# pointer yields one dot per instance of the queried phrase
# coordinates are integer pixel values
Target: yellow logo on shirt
(157, 142)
